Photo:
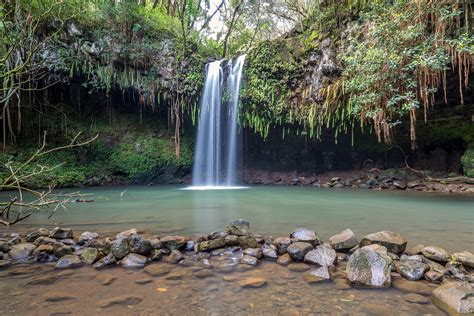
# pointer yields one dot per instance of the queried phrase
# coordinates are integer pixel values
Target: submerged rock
(284, 260)
(455, 297)
(466, 258)
(61, 233)
(394, 242)
(435, 253)
(133, 260)
(298, 250)
(318, 275)
(157, 270)
(238, 227)
(68, 261)
(125, 300)
(412, 270)
(345, 240)
(305, 235)
(252, 282)
(369, 267)
(322, 255)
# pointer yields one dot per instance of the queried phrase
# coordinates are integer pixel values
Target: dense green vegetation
(311, 66)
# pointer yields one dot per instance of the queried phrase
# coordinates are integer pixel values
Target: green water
(443, 220)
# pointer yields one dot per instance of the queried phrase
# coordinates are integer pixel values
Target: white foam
(213, 187)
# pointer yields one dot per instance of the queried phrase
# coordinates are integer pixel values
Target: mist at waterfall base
(216, 156)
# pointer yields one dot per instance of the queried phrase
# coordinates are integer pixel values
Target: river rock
(21, 252)
(318, 275)
(4, 245)
(412, 270)
(436, 253)
(434, 276)
(238, 227)
(232, 240)
(32, 236)
(133, 260)
(106, 261)
(155, 242)
(248, 242)
(369, 267)
(126, 233)
(173, 242)
(345, 240)
(125, 300)
(43, 240)
(252, 282)
(68, 261)
(43, 253)
(156, 255)
(87, 237)
(215, 235)
(63, 250)
(225, 264)
(394, 242)
(89, 255)
(322, 255)
(249, 260)
(211, 244)
(466, 258)
(120, 247)
(157, 269)
(175, 256)
(298, 250)
(305, 235)
(457, 270)
(455, 298)
(254, 252)
(138, 244)
(269, 252)
(282, 244)
(415, 250)
(61, 233)
(284, 260)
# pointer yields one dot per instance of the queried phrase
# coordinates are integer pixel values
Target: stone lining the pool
(378, 260)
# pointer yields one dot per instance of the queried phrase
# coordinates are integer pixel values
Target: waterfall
(215, 160)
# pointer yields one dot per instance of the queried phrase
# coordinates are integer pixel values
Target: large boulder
(298, 250)
(211, 244)
(394, 242)
(345, 240)
(120, 247)
(306, 235)
(21, 252)
(436, 253)
(455, 298)
(138, 244)
(369, 267)
(412, 270)
(466, 258)
(238, 227)
(322, 255)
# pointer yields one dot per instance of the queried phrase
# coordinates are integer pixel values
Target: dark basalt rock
(298, 250)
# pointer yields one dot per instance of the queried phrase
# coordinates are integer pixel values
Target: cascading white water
(215, 160)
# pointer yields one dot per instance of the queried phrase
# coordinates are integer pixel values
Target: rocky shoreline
(378, 260)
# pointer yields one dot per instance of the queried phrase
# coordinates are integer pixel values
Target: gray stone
(21, 252)
(63, 250)
(298, 250)
(89, 255)
(249, 260)
(68, 261)
(305, 235)
(87, 237)
(225, 264)
(394, 242)
(215, 235)
(173, 242)
(211, 244)
(415, 250)
(434, 276)
(254, 252)
(466, 258)
(369, 267)
(43, 240)
(269, 252)
(436, 253)
(175, 256)
(282, 244)
(126, 234)
(133, 260)
(248, 242)
(412, 270)
(106, 261)
(120, 247)
(318, 275)
(61, 233)
(455, 297)
(155, 242)
(345, 240)
(32, 236)
(284, 260)
(238, 227)
(138, 244)
(232, 240)
(322, 255)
